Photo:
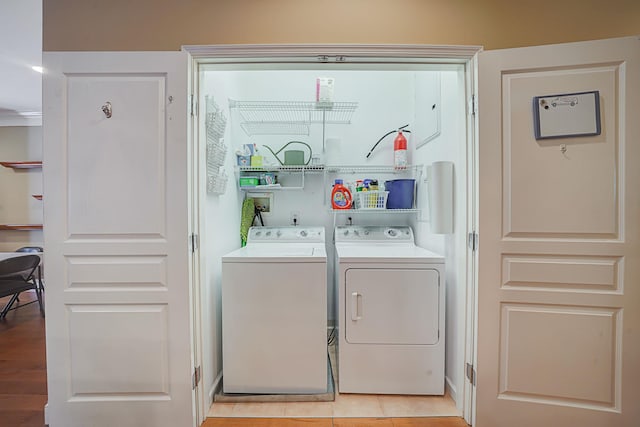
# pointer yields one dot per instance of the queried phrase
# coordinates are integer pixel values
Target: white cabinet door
(392, 306)
(116, 240)
(559, 295)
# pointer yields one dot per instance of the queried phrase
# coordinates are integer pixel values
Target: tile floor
(345, 405)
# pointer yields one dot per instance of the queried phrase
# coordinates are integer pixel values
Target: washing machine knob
(268, 233)
(391, 232)
(356, 232)
(303, 233)
(258, 233)
(346, 232)
(279, 233)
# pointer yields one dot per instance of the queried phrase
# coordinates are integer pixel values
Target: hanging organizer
(215, 123)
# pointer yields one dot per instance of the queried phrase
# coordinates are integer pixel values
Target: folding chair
(17, 275)
(33, 249)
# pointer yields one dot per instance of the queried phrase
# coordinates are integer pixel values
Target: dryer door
(391, 306)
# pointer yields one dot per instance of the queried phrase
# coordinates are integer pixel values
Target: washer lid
(386, 253)
(277, 253)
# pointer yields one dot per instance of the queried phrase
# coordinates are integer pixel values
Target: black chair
(34, 249)
(17, 275)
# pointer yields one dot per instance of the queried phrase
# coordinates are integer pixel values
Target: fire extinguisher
(400, 151)
(399, 147)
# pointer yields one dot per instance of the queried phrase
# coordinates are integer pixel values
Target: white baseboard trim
(451, 389)
(217, 384)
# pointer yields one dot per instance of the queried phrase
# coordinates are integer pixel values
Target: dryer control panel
(363, 233)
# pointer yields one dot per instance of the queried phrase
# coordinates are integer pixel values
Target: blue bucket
(400, 193)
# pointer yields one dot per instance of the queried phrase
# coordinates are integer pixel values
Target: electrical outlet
(294, 218)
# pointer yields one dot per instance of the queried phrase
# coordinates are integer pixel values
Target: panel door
(559, 294)
(116, 240)
(391, 306)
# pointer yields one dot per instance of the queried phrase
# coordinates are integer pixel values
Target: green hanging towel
(246, 220)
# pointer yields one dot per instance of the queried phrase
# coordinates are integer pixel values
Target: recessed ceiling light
(38, 69)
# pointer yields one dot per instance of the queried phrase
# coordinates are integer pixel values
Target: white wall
(386, 100)
(451, 146)
(219, 235)
(17, 206)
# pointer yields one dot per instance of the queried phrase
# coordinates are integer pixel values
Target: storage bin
(248, 181)
(371, 199)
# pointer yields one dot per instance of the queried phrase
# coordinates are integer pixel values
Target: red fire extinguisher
(399, 147)
(400, 151)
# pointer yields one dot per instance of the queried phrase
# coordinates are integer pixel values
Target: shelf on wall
(22, 165)
(371, 169)
(37, 196)
(374, 211)
(282, 168)
(21, 227)
(290, 117)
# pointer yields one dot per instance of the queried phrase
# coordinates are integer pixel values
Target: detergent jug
(340, 196)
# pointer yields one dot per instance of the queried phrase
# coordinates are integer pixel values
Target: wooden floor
(335, 422)
(23, 368)
(23, 383)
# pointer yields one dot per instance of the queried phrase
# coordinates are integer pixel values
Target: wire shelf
(217, 184)
(274, 168)
(372, 169)
(215, 124)
(290, 117)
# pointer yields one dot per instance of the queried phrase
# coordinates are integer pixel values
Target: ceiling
(20, 49)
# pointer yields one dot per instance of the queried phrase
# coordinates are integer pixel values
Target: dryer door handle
(355, 313)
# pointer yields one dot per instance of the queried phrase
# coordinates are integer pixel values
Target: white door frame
(366, 54)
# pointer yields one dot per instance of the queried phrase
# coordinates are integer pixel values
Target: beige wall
(169, 24)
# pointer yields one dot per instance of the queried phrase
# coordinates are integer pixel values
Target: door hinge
(194, 242)
(195, 379)
(471, 374)
(473, 240)
(193, 105)
(473, 105)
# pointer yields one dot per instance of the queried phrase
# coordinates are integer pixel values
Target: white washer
(274, 313)
(391, 312)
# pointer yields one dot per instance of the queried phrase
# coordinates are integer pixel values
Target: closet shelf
(275, 168)
(375, 211)
(37, 196)
(371, 169)
(21, 227)
(22, 165)
(290, 117)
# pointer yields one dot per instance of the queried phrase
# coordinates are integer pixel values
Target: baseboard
(451, 390)
(215, 388)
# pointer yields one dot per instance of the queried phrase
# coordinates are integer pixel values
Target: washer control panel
(285, 234)
(375, 233)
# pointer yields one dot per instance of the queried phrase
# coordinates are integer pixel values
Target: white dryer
(391, 314)
(274, 313)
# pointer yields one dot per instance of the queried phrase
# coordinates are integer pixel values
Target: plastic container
(401, 193)
(340, 196)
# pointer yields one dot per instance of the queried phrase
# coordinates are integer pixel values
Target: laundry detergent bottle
(340, 196)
